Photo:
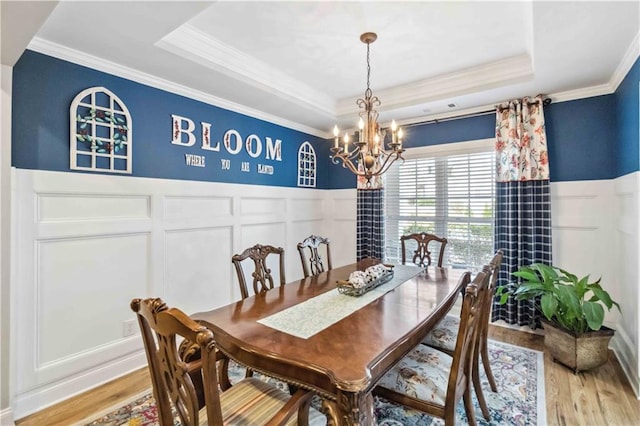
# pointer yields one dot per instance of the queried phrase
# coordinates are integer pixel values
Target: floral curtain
(523, 207)
(521, 142)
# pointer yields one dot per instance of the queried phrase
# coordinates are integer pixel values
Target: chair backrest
(495, 264)
(422, 255)
(493, 270)
(262, 278)
(313, 264)
(464, 352)
(170, 376)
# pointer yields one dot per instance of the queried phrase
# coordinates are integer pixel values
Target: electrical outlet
(128, 328)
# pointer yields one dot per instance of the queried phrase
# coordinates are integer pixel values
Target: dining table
(307, 334)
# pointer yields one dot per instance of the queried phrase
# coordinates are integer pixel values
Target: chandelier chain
(368, 69)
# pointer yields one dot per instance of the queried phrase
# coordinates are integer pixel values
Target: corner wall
(6, 416)
(626, 243)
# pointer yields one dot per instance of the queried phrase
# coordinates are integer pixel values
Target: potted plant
(573, 310)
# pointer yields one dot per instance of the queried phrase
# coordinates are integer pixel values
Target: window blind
(451, 196)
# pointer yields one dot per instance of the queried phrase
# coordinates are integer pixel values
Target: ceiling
(302, 64)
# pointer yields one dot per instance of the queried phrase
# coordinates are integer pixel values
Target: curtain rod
(545, 102)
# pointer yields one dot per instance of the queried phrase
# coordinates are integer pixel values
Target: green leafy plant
(572, 303)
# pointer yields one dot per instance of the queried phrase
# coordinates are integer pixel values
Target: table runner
(302, 320)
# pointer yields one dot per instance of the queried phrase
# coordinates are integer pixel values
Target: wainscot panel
(77, 268)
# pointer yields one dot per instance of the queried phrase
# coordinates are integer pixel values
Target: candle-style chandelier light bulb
(368, 157)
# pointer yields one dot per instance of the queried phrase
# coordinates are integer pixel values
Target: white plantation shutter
(447, 195)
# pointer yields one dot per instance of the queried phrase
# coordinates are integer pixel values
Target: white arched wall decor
(100, 132)
(307, 166)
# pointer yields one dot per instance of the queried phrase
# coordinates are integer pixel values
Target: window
(306, 165)
(447, 191)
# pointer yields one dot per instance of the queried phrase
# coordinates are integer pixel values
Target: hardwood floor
(599, 397)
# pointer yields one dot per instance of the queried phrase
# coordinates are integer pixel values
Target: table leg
(355, 409)
(329, 409)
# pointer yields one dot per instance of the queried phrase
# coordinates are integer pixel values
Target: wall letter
(274, 150)
(227, 141)
(206, 138)
(178, 131)
(249, 146)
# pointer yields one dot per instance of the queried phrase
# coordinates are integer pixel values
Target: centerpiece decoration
(361, 282)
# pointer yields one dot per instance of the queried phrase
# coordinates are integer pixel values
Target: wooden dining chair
(262, 280)
(432, 381)
(312, 261)
(422, 255)
(443, 336)
(250, 401)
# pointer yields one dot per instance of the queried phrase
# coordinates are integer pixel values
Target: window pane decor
(450, 196)
(100, 129)
(307, 166)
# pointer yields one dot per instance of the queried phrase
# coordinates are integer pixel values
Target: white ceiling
(302, 63)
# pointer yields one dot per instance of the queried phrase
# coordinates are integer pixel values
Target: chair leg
(223, 374)
(484, 351)
(303, 413)
(478, 388)
(468, 406)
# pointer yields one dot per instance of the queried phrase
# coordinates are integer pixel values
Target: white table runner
(314, 315)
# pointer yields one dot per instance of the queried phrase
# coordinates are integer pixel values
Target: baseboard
(623, 349)
(6, 417)
(42, 397)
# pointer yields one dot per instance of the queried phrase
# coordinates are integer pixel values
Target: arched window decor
(307, 166)
(101, 137)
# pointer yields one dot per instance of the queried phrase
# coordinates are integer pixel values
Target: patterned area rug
(520, 399)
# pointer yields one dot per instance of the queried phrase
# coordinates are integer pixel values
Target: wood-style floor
(599, 397)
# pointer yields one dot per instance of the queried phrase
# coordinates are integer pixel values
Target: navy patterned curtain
(523, 208)
(370, 224)
(523, 233)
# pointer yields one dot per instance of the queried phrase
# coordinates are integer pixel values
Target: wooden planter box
(578, 352)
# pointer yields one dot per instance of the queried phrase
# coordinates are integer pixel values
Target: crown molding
(77, 57)
(571, 95)
(585, 92)
(195, 45)
(483, 77)
(629, 58)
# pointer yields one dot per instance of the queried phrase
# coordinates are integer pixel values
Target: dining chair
(313, 264)
(443, 335)
(422, 255)
(432, 381)
(250, 401)
(262, 278)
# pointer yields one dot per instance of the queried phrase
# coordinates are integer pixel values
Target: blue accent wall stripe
(581, 139)
(43, 88)
(588, 139)
(627, 111)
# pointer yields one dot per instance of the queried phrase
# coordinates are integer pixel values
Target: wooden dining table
(342, 362)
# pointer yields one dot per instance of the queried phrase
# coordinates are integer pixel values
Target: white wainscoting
(595, 231)
(626, 240)
(87, 244)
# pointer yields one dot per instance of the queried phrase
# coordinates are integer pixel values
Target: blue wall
(588, 139)
(43, 88)
(581, 137)
(627, 112)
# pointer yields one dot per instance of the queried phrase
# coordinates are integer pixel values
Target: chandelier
(367, 156)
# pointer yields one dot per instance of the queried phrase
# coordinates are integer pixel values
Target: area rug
(520, 399)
